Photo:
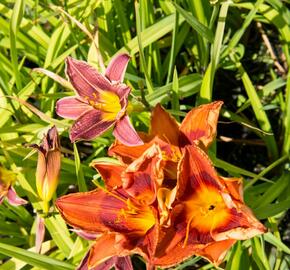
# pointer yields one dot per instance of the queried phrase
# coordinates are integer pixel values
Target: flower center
(108, 103)
(206, 211)
(141, 218)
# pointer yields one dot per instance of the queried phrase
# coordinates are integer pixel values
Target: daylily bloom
(198, 127)
(48, 165)
(100, 101)
(164, 201)
(208, 215)
(125, 214)
(7, 178)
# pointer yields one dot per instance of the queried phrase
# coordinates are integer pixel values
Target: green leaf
(79, 171)
(196, 25)
(32, 258)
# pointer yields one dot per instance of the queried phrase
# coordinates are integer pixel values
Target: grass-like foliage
(183, 54)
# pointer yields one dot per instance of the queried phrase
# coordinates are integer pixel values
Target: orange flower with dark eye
(124, 214)
(198, 127)
(208, 214)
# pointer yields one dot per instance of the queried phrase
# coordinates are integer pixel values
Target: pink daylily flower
(7, 178)
(100, 101)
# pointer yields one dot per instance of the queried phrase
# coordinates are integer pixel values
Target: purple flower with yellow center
(48, 165)
(7, 178)
(100, 102)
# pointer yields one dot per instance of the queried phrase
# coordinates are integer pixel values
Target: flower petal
(13, 199)
(104, 249)
(86, 80)
(195, 170)
(117, 67)
(216, 251)
(85, 235)
(90, 125)
(144, 175)
(105, 211)
(99, 210)
(127, 154)
(200, 124)
(40, 233)
(234, 186)
(110, 172)
(164, 125)
(125, 132)
(71, 107)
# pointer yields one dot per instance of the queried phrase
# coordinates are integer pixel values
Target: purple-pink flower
(100, 101)
(7, 179)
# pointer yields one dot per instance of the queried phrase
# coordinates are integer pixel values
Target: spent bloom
(100, 102)
(7, 179)
(48, 164)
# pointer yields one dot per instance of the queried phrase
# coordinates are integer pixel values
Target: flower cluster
(163, 199)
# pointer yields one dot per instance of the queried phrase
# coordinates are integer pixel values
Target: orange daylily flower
(198, 127)
(125, 214)
(208, 214)
(164, 201)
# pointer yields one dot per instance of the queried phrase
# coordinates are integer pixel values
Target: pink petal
(125, 132)
(85, 235)
(40, 233)
(117, 67)
(86, 80)
(13, 199)
(71, 107)
(89, 125)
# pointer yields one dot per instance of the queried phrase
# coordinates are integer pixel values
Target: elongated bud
(48, 165)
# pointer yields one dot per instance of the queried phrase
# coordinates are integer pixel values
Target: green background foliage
(184, 53)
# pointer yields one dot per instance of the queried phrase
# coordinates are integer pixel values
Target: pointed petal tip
(13, 198)
(125, 132)
(117, 67)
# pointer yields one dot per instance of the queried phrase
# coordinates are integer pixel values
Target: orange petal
(106, 211)
(165, 198)
(144, 175)
(98, 210)
(127, 154)
(164, 125)
(104, 248)
(170, 250)
(110, 172)
(200, 124)
(234, 186)
(216, 251)
(195, 170)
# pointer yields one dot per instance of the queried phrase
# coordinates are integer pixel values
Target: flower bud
(48, 165)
